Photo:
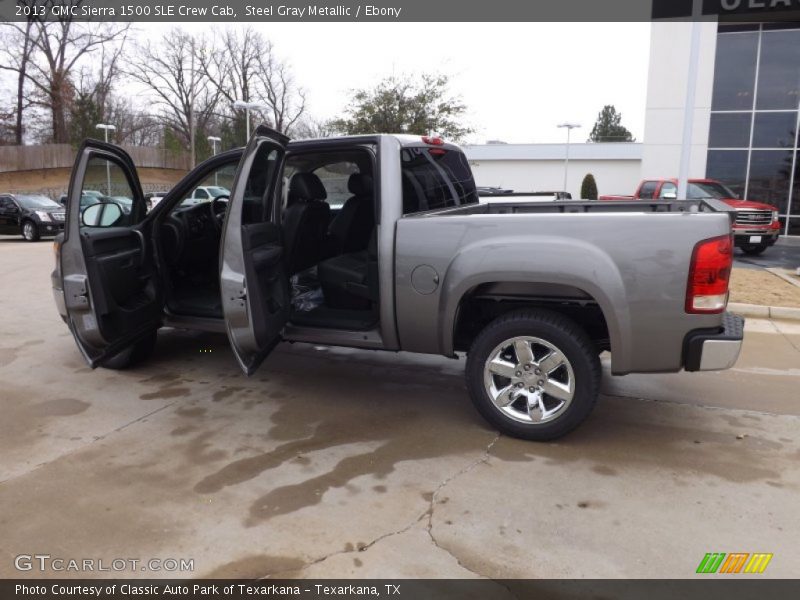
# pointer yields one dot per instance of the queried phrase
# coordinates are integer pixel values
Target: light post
(106, 127)
(214, 139)
(248, 106)
(569, 127)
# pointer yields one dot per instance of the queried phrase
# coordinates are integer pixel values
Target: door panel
(253, 280)
(111, 290)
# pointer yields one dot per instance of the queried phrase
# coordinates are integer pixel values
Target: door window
(648, 190)
(105, 183)
(6, 205)
(668, 191)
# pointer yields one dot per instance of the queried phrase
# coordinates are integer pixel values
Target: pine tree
(589, 188)
(608, 127)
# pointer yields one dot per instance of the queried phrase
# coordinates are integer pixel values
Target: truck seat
(305, 222)
(350, 230)
(350, 281)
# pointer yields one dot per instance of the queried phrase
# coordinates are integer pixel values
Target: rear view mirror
(102, 214)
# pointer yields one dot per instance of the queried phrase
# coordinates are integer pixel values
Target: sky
(518, 80)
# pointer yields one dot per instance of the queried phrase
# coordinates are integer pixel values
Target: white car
(205, 193)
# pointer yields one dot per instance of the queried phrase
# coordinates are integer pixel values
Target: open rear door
(108, 272)
(253, 280)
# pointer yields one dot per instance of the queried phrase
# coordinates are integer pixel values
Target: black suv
(31, 215)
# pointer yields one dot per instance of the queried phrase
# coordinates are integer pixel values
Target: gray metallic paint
(635, 265)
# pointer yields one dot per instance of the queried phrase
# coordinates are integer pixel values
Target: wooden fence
(54, 156)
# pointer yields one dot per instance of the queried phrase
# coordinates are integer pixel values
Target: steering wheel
(219, 206)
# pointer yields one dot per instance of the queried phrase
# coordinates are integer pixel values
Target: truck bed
(504, 206)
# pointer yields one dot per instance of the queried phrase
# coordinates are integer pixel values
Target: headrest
(306, 186)
(360, 185)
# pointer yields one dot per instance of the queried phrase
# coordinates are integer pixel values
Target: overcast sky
(518, 80)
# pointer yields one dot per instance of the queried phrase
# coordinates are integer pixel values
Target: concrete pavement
(334, 462)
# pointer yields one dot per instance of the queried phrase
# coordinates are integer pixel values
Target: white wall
(666, 96)
(612, 176)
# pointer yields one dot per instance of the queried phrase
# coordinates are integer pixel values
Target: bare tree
(58, 48)
(16, 46)
(168, 68)
(243, 66)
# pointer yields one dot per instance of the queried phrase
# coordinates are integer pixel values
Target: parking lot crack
(95, 439)
(483, 459)
(425, 517)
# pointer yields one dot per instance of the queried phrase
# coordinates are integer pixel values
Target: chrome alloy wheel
(529, 380)
(28, 230)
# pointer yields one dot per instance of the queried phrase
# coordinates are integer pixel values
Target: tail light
(709, 275)
(432, 140)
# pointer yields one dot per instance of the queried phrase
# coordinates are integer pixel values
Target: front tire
(30, 231)
(533, 374)
(754, 249)
(133, 354)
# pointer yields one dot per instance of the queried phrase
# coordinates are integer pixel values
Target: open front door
(253, 280)
(108, 273)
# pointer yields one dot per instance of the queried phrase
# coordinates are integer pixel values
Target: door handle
(142, 244)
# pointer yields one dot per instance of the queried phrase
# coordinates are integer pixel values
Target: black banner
(397, 10)
(727, 588)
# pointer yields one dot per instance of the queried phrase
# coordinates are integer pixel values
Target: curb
(765, 312)
(784, 274)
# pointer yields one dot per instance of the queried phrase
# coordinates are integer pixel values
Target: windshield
(698, 191)
(37, 202)
(217, 191)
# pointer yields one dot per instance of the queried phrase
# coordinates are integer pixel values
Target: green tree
(418, 104)
(589, 188)
(608, 127)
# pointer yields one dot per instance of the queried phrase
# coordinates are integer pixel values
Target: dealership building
(745, 130)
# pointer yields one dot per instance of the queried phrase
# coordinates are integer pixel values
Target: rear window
(435, 178)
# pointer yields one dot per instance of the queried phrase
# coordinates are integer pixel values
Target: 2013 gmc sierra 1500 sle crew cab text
(410, 260)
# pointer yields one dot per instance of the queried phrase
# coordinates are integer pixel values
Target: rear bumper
(714, 349)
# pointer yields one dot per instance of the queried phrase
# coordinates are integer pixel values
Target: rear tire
(30, 231)
(134, 354)
(533, 374)
(754, 249)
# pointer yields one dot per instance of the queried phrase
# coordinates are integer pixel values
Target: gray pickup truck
(408, 259)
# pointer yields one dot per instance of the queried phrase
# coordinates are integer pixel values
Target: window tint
(735, 71)
(775, 130)
(779, 70)
(105, 182)
(6, 203)
(729, 130)
(729, 167)
(648, 190)
(257, 194)
(435, 178)
(769, 177)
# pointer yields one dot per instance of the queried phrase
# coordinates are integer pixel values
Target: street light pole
(247, 106)
(214, 139)
(569, 127)
(106, 127)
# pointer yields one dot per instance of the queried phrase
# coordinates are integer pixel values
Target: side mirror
(102, 214)
(670, 195)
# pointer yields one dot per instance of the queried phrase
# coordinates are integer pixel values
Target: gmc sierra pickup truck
(755, 228)
(532, 293)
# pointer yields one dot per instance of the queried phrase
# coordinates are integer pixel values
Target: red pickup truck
(756, 227)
